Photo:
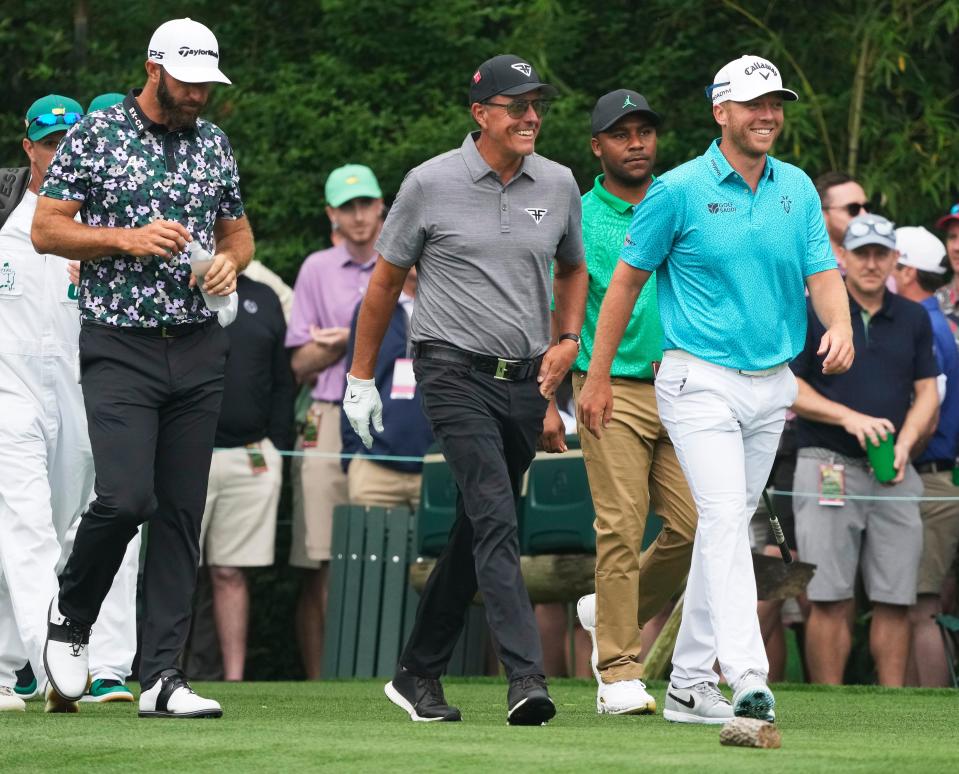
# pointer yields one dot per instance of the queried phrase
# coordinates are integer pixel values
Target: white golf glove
(362, 403)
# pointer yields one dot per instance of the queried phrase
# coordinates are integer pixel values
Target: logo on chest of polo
(537, 213)
(720, 207)
(786, 202)
(8, 277)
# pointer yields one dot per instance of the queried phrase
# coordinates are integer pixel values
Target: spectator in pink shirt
(328, 288)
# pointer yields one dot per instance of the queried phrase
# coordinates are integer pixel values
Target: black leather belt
(934, 466)
(497, 367)
(159, 332)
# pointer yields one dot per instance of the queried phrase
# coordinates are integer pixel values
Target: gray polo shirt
(483, 250)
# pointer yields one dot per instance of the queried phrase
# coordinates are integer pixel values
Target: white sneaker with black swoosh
(702, 703)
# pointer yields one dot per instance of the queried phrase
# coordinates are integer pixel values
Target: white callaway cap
(746, 78)
(920, 249)
(188, 51)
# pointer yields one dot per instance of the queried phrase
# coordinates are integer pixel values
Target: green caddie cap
(49, 114)
(104, 101)
(351, 182)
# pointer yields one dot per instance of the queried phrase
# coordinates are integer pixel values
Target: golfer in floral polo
(147, 177)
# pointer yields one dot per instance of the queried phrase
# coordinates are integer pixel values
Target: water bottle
(200, 263)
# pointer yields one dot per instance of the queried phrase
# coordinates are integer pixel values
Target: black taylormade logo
(715, 207)
(187, 51)
(759, 67)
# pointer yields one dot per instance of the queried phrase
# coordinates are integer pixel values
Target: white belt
(682, 354)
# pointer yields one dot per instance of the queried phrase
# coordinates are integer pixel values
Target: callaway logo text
(759, 67)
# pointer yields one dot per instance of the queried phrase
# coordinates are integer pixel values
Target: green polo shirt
(606, 220)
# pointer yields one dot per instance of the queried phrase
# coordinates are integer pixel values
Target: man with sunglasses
(843, 198)
(483, 223)
(890, 389)
(734, 236)
(147, 177)
(44, 447)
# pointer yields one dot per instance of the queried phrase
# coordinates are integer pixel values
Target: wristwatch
(572, 337)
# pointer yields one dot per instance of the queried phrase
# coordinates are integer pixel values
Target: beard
(179, 115)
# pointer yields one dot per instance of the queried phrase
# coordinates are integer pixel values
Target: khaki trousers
(632, 467)
(373, 484)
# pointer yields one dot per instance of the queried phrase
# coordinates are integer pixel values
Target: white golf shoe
(9, 701)
(66, 654)
(624, 697)
(586, 612)
(753, 699)
(703, 703)
(172, 697)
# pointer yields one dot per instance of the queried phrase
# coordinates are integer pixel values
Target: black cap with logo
(613, 106)
(506, 74)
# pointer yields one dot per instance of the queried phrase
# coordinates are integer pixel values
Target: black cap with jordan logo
(508, 75)
(613, 106)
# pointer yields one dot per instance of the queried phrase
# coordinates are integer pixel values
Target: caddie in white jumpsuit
(47, 467)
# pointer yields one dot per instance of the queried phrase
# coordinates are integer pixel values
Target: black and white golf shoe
(421, 698)
(66, 654)
(172, 697)
(529, 702)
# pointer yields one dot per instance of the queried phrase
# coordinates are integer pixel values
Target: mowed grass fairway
(350, 726)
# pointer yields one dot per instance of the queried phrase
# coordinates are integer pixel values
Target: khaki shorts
(319, 485)
(940, 526)
(885, 536)
(377, 485)
(239, 521)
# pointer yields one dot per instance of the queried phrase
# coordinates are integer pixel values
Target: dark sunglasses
(853, 208)
(518, 107)
(52, 119)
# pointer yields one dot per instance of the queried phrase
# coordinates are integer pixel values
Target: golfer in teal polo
(734, 237)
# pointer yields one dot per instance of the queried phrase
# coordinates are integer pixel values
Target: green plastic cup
(882, 458)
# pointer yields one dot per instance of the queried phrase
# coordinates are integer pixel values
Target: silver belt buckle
(501, 366)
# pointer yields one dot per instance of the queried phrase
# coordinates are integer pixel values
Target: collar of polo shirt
(723, 169)
(140, 120)
(478, 167)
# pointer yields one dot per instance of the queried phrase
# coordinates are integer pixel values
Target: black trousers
(152, 406)
(487, 429)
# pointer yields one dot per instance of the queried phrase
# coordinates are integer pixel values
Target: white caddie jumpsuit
(46, 467)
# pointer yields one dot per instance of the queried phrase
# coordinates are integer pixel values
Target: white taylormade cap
(746, 78)
(188, 51)
(920, 249)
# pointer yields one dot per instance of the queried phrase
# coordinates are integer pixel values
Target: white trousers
(46, 482)
(725, 427)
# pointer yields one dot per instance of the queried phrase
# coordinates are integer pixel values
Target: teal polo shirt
(731, 264)
(606, 220)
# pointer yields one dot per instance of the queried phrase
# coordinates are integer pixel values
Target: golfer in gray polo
(483, 224)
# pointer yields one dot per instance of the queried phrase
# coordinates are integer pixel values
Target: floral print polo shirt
(129, 171)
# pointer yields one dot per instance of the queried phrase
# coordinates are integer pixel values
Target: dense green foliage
(350, 726)
(325, 82)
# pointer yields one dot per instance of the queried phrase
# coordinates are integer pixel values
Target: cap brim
(945, 219)
(869, 239)
(197, 74)
(548, 91)
(39, 132)
(657, 119)
(787, 94)
(358, 193)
